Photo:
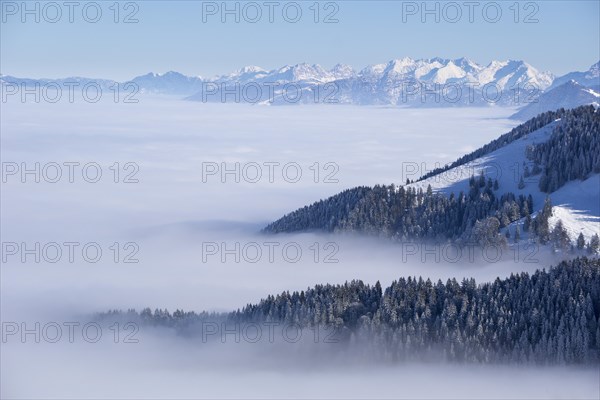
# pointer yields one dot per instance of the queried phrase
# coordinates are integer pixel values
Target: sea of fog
(159, 204)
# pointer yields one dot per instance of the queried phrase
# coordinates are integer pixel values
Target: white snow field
(170, 213)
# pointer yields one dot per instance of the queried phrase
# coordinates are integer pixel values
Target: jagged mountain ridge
(374, 84)
(435, 82)
(398, 82)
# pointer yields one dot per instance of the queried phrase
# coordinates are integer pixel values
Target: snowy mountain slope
(342, 71)
(577, 203)
(568, 95)
(588, 78)
(513, 74)
(578, 207)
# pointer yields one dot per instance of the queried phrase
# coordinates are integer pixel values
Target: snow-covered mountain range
(425, 82)
(434, 82)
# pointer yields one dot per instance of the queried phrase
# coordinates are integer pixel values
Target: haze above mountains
(432, 82)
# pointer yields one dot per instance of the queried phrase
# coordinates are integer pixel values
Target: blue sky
(190, 37)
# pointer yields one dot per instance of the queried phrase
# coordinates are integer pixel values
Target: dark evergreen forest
(548, 317)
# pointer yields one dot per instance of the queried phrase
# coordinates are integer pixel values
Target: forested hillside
(572, 152)
(549, 317)
(407, 213)
(525, 128)
(478, 212)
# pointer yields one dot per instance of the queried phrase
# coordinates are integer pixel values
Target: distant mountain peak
(570, 94)
(594, 71)
(589, 78)
(342, 71)
(250, 69)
